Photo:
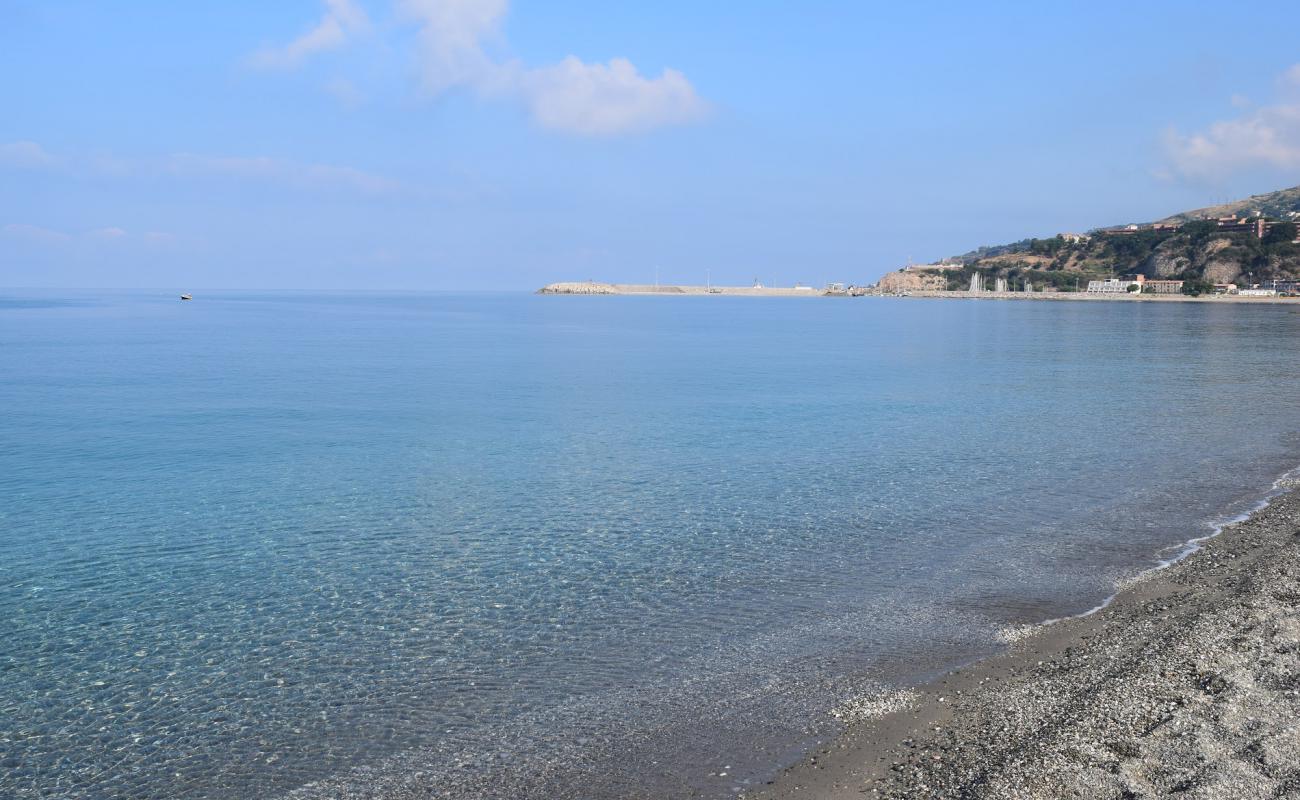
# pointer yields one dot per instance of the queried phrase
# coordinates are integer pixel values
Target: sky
(505, 144)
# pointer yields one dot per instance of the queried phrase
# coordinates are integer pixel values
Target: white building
(1257, 292)
(1110, 286)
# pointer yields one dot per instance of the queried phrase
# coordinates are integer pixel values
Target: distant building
(1123, 229)
(1109, 286)
(1257, 292)
(1163, 287)
(1285, 287)
(1225, 288)
(1072, 238)
(1258, 226)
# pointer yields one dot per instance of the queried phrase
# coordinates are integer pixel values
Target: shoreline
(599, 289)
(1084, 296)
(1186, 680)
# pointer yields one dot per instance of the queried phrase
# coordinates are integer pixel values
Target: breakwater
(599, 288)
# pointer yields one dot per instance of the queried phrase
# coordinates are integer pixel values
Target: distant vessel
(187, 297)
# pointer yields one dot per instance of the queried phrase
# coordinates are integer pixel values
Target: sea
(505, 545)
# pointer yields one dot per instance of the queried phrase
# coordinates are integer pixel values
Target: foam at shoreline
(1161, 691)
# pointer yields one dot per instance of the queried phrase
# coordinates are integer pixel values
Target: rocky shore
(1186, 685)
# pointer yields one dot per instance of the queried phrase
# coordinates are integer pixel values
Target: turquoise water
(506, 545)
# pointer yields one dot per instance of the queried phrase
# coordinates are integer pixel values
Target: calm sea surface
(506, 545)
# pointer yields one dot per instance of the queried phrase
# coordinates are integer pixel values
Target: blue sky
(467, 144)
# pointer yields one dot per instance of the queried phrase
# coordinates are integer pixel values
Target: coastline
(1186, 681)
(599, 289)
(1085, 297)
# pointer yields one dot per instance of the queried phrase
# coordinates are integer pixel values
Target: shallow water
(511, 542)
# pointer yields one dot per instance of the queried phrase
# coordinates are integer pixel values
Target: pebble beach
(1187, 685)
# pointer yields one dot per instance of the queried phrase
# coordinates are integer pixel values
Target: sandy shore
(1186, 685)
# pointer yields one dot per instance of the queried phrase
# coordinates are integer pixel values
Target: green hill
(1197, 245)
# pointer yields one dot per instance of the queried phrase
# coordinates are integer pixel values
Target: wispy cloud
(25, 155)
(346, 92)
(1266, 136)
(343, 20)
(36, 234)
(1292, 76)
(279, 171)
(451, 40)
(33, 233)
(274, 171)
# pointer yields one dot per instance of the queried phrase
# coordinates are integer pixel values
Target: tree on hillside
(1281, 233)
(1200, 230)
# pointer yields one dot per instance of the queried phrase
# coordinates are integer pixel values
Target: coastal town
(1237, 255)
(1251, 254)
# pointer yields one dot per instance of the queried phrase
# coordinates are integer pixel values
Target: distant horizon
(425, 145)
(525, 289)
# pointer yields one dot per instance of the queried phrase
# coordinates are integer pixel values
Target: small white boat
(187, 297)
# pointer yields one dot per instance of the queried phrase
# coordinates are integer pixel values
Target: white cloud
(25, 155)
(343, 19)
(572, 96)
(593, 99)
(603, 99)
(1292, 76)
(451, 40)
(108, 233)
(1267, 136)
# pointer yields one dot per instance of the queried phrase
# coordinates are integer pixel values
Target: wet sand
(1186, 685)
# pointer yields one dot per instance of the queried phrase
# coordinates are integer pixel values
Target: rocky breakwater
(579, 287)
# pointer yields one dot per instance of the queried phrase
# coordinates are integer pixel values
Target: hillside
(1219, 244)
(1282, 204)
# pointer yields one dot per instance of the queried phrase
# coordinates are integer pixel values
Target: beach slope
(1186, 685)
